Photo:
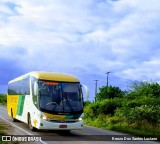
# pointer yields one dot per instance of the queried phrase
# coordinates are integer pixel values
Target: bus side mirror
(35, 88)
(86, 91)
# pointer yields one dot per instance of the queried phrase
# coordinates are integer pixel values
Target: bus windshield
(60, 97)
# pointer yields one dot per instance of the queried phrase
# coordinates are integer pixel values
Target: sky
(85, 38)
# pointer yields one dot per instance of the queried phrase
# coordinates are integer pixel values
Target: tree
(109, 92)
(145, 89)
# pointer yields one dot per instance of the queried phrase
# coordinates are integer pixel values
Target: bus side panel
(12, 104)
(24, 104)
(20, 105)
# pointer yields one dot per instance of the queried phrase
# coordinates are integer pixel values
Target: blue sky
(85, 38)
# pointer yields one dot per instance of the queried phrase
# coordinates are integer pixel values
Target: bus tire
(30, 123)
(13, 119)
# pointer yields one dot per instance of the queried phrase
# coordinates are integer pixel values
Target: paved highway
(89, 135)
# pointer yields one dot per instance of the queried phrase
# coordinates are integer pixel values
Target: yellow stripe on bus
(12, 104)
(54, 117)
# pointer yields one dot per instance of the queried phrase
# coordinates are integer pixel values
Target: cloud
(10, 69)
(148, 70)
(81, 37)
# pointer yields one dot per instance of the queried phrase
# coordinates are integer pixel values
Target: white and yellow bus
(46, 100)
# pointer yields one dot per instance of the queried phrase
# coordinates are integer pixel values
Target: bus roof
(48, 76)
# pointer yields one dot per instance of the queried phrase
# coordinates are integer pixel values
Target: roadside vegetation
(3, 99)
(136, 111)
(3, 127)
(2, 133)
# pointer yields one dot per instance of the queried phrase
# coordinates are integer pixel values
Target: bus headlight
(44, 117)
(80, 119)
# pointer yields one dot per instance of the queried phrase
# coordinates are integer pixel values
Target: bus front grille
(63, 121)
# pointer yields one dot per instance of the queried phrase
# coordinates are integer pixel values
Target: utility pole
(107, 73)
(107, 77)
(95, 89)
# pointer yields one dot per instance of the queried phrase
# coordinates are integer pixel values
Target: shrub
(106, 107)
(3, 99)
(109, 106)
(92, 110)
(138, 114)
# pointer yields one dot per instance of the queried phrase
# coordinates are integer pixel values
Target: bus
(47, 100)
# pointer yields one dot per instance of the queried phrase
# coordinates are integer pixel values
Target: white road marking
(18, 127)
(15, 126)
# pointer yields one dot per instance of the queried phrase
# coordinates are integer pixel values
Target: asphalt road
(89, 135)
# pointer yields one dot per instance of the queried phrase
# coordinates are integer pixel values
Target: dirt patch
(7, 129)
(10, 130)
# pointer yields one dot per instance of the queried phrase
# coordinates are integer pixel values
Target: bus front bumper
(50, 125)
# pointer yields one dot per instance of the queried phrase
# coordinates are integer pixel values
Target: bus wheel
(30, 124)
(13, 119)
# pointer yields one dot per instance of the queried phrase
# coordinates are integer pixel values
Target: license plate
(63, 126)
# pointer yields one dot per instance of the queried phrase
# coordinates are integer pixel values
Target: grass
(117, 124)
(3, 133)
(3, 100)
(3, 129)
